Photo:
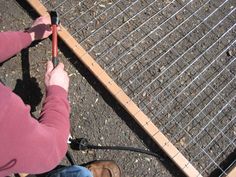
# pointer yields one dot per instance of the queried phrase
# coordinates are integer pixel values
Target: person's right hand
(56, 76)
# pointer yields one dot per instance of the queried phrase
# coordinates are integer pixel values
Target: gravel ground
(170, 58)
(94, 113)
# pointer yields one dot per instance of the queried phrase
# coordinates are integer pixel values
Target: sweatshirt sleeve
(13, 42)
(36, 146)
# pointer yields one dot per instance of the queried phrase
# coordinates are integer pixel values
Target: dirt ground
(94, 114)
(127, 49)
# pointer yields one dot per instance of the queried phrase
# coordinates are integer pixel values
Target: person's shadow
(27, 87)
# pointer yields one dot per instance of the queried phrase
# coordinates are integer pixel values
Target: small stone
(125, 19)
(162, 68)
(70, 74)
(182, 141)
(90, 152)
(177, 17)
(230, 53)
(102, 5)
(144, 94)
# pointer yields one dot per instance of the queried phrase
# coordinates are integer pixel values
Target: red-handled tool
(55, 22)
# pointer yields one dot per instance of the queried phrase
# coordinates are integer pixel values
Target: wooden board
(159, 138)
(232, 172)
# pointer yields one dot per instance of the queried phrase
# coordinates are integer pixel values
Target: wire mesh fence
(175, 59)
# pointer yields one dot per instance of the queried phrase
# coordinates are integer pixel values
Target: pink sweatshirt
(27, 145)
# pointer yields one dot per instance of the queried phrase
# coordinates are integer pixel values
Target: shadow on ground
(27, 87)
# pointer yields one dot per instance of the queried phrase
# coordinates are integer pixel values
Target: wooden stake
(159, 138)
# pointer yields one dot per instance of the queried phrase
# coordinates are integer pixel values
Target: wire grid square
(175, 59)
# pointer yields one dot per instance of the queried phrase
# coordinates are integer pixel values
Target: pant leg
(71, 171)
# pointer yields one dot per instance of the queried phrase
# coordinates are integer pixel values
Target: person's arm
(12, 42)
(50, 135)
(36, 147)
(54, 121)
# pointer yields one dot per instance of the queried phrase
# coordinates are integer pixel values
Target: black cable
(83, 144)
(125, 148)
(70, 158)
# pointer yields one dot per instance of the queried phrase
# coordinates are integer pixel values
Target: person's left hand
(41, 28)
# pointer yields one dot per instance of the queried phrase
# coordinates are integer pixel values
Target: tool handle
(55, 59)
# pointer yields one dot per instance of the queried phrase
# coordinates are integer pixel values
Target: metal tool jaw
(54, 18)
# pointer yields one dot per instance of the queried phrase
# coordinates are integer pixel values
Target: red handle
(54, 41)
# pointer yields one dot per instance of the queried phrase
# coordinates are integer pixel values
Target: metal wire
(201, 111)
(156, 96)
(100, 42)
(166, 94)
(77, 30)
(182, 73)
(73, 9)
(173, 46)
(110, 49)
(176, 60)
(229, 167)
(203, 149)
(63, 2)
(223, 171)
(77, 18)
(128, 51)
(208, 84)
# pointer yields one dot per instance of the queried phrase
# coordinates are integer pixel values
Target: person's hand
(56, 76)
(41, 28)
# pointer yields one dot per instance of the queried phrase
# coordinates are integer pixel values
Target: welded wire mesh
(175, 59)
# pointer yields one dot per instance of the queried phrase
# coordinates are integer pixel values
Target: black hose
(83, 144)
(70, 158)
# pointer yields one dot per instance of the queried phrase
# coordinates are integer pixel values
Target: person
(36, 146)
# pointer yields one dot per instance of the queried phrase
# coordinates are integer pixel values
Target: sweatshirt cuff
(56, 90)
